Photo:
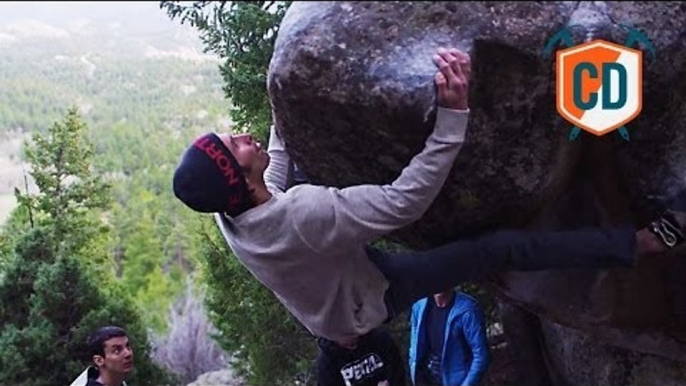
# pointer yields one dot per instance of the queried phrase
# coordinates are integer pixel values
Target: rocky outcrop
(591, 359)
(352, 91)
(352, 88)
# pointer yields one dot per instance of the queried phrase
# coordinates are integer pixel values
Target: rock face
(351, 85)
(576, 356)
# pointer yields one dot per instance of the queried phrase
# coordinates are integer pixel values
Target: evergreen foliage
(49, 300)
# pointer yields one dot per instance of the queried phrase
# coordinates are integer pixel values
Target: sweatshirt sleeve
(279, 172)
(368, 211)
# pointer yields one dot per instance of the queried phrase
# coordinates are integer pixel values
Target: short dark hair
(96, 341)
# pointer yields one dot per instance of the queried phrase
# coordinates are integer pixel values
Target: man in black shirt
(436, 317)
(371, 360)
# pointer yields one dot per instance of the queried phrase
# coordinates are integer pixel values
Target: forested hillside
(139, 94)
(142, 94)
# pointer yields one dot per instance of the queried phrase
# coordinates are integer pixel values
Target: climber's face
(250, 154)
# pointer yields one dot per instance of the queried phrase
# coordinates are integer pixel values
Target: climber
(309, 244)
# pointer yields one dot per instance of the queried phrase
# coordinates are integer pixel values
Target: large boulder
(351, 85)
(352, 88)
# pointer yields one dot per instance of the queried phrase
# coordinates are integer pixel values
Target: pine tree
(70, 193)
(243, 33)
(49, 300)
(142, 274)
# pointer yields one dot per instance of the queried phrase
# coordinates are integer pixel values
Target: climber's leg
(414, 275)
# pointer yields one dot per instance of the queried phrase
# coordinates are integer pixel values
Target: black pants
(418, 274)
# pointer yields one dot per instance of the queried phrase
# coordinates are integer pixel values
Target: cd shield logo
(599, 85)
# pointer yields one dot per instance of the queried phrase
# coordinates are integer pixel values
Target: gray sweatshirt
(306, 244)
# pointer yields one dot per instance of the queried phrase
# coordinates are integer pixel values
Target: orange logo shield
(599, 85)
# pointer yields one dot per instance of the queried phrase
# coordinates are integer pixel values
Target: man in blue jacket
(448, 343)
